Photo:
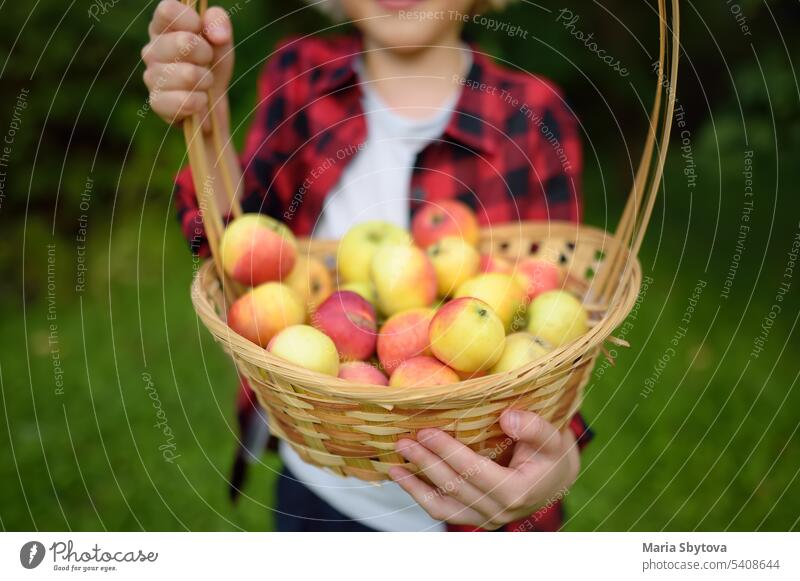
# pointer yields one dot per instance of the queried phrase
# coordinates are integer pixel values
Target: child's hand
(474, 490)
(187, 56)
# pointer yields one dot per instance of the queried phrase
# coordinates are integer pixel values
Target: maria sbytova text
(683, 548)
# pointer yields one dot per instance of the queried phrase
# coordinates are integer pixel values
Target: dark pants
(300, 510)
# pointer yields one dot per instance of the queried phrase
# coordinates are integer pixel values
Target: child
(373, 126)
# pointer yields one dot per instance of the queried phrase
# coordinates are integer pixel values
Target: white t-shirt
(375, 186)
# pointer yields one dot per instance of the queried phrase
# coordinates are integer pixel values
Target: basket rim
(492, 386)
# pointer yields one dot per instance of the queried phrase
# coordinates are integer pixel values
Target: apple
(264, 310)
(358, 246)
(307, 347)
(364, 288)
(500, 291)
(422, 371)
(403, 336)
(467, 335)
(404, 278)
(348, 319)
(310, 280)
(557, 317)
(454, 261)
(537, 276)
(362, 372)
(489, 263)
(519, 350)
(256, 249)
(444, 218)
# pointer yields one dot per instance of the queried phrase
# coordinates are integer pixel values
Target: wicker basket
(351, 429)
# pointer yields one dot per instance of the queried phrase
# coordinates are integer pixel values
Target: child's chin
(399, 36)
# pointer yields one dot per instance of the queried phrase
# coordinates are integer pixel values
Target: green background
(713, 447)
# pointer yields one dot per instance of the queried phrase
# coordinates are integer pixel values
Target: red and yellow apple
(307, 347)
(500, 291)
(256, 249)
(403, 336)
(557, 317)
(362, 372)
(365, 288)
(537, 276)
(519, 350)
(350, 321)
(455, 261)
(265, 310)
(403, 277)
(489, 263)
(310, 280)
(444, 218)
(422, 371)
(467, 335)
(358, 246)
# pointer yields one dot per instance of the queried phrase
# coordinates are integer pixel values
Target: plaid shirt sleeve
(268, 143)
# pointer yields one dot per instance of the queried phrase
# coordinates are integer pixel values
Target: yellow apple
(519, 350)
(467, 335)
(500, 291)
(311, 280)
(403, 277)
(307, 347)
(358, 246)
(455, 261)
(557, 317)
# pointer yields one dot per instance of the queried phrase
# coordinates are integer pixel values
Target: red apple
(403, 336)
(444, 218)
(537, 276)
(422, 371)
(264, 311)
(257, 249)
(362, 372)
(348, 319)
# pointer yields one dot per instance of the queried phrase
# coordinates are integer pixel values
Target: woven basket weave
(351, 429)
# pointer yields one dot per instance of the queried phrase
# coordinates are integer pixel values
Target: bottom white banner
(407, 556)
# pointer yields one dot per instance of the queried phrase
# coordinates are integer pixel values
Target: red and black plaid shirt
(511, 151)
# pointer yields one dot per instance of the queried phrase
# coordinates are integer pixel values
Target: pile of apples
(423, 308)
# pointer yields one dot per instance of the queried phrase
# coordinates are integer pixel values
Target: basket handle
(641, 199)
(199, 160)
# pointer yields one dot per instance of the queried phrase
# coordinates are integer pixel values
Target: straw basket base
(351, 429)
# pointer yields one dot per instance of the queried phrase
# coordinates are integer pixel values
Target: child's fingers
(174, 106)
(217, 26)
(178, 77)
(171, 15)
(447, 480)
(438, 505)
(480, 471)
(173, 47)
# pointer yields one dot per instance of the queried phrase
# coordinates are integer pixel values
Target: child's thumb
(217, 27)
(530, 428)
